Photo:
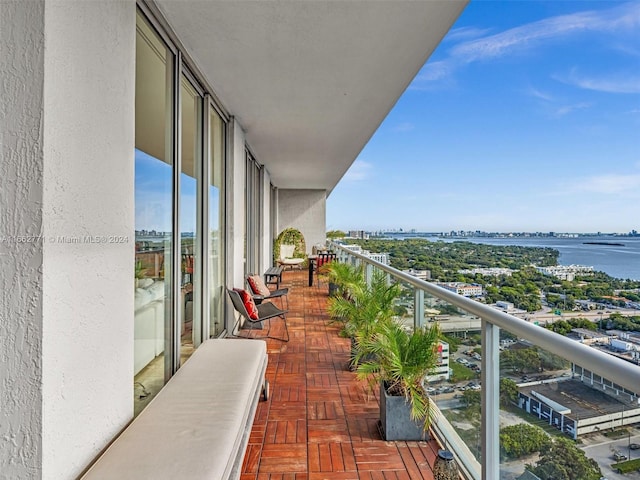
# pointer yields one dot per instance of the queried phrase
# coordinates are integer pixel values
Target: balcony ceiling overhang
(309, 81)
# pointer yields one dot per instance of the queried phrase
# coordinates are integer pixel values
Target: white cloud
(534, 92)
(609, 184)
(465, 33)
(526, 36)
(404, 127)
(611, 84)
(566, 109)
(359, 170)
(519, 39)
(435, 71)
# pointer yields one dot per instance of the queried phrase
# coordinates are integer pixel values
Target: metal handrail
(612, 368)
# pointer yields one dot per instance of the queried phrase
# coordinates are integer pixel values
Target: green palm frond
(402, 360)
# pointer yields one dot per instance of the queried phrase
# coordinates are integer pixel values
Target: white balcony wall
(21, 177)
(88, 190)
(305, 210)
(67, 126)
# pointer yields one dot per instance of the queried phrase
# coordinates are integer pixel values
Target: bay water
(616, 261)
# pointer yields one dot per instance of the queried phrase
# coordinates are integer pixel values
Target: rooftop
(584, 401)
(320, 422)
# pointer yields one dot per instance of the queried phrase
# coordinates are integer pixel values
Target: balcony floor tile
(320, 421)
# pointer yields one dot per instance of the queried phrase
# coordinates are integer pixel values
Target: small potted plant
(398, 360)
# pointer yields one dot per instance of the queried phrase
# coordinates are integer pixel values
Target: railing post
(368, 273)
(490, 401)
(418, 308)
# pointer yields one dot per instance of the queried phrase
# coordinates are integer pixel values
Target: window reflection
(190, 290)
(216, 265)
(153, 213)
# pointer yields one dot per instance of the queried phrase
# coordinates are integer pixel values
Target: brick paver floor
(320, 422)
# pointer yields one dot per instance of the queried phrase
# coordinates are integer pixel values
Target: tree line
(525, 287)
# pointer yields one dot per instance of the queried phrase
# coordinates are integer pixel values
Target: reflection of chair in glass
(187, 268)
(260, 291)
(259, 313)
(286, 257)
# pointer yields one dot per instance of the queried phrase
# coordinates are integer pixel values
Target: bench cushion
(197, 426)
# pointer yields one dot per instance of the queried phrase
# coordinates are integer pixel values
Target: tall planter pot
(395, 419)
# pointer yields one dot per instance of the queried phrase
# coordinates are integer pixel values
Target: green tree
(332, 234)
(521, 360)
(560, 459)
(508, 392)
(523, 439)
(472, 399)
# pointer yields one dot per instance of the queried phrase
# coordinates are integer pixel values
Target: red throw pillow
(249, 304)
(257, 285)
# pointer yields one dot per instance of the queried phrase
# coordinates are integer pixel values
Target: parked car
(619, 457)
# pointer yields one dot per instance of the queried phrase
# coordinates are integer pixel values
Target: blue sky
(526, 118)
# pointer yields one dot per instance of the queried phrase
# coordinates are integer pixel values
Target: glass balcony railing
(507, 385)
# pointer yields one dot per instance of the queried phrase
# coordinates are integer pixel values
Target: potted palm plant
(360, 306)
(342, 278)
(398, 360)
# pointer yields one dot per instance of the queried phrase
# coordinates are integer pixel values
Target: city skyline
(524, 119)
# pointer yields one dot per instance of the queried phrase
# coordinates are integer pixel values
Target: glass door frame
(254, 208)
(210, 107)
(200, 265)
(208, 101)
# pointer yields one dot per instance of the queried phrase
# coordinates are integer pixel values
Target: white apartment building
(216, 123)
(565, 272)
(421, 274)
(378, 257)
(442, 370)
(505, 306)
(464, 289)
(488, 272)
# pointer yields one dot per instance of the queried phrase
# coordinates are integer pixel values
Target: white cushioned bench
(198, 425)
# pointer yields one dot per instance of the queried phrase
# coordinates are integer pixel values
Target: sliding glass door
(179, 222)
(217, 143)
(190, 293)
(154, 224)
(253, 214)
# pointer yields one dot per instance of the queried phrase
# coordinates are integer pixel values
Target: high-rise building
(152, 151)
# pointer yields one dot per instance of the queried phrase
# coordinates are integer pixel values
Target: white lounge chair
(286, 257)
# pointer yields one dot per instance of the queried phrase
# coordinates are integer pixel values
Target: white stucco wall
(21, 174)
(304, 210)
(88, 189)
